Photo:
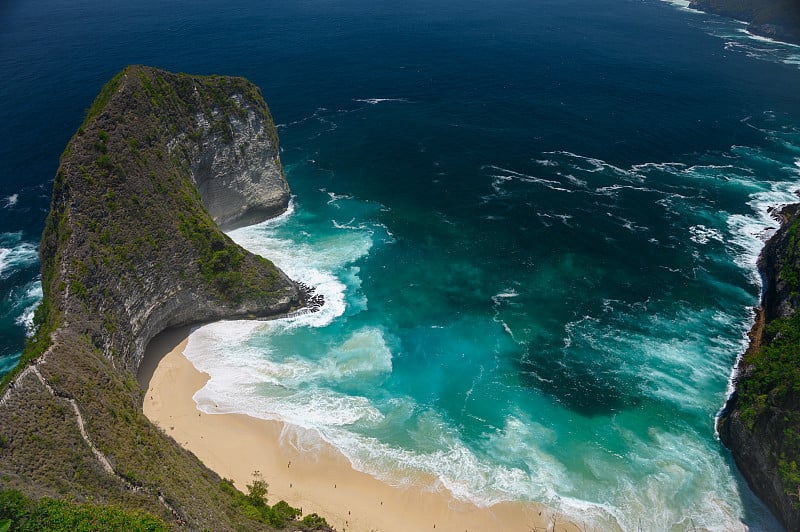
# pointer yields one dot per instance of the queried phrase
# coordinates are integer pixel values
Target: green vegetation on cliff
(21, 514)
(772, 386)
(279, 515)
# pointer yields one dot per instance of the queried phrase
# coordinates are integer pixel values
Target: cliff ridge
(132, 246)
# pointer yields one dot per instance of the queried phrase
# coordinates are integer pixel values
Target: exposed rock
(128, 250)
(238, 171)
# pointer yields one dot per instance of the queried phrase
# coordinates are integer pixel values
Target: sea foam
(10, 201)
(239, 355)
(16, 254)
(374, 101)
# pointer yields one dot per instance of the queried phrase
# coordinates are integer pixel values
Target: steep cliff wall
(776, 19)
(236, 168)
(761, 422)
(131, 247)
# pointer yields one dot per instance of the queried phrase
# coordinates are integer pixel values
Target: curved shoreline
(236, 445)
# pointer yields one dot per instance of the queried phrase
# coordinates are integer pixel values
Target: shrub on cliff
(19, 513)
(280, 515)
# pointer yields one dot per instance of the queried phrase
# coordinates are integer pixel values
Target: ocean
(535, 225)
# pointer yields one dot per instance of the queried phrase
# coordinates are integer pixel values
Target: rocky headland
(775, 19)
(132, 247)
(761, 421)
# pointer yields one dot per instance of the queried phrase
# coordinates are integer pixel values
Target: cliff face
(761, 422)
(776, 19)
(131, 247)
(237, 169)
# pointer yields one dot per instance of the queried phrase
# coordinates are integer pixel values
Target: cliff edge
(132, 246)
(775, 19)
(761, 421)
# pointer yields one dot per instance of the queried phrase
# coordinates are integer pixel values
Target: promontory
(132, 247)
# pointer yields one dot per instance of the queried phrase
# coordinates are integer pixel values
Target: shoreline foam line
(322, 480)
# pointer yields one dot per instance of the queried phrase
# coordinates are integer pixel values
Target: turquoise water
(559, 331)
(535, 225)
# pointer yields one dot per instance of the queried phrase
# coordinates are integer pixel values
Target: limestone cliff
(131, 246)
(761, 422)
(776, 19)
(236, 168)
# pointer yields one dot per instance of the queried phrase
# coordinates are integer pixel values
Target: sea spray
(16, 254)
(20, 290)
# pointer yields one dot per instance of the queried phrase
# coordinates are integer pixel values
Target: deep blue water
(535, 225)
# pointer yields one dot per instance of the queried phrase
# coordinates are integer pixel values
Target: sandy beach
(320, 481)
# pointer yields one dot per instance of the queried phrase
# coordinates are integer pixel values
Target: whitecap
(16, 254)
(611, 190)
(595, 165)
(349, 225)
(563, 218)
(576, 181)
(570, 330)
(505, 294)
(701, 234)
(335, 197)
(29, 301)
(683, 5)
(314, 263)
(769, 40)
(738, 38)
(374, 101)
(10, 201)
(504, 175)
(749, 232)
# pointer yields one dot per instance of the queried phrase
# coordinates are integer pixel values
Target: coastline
(322, 481)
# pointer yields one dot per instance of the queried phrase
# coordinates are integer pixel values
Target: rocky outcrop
(237, 170)
(131, 247)
(775, 19)
(760, 423)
